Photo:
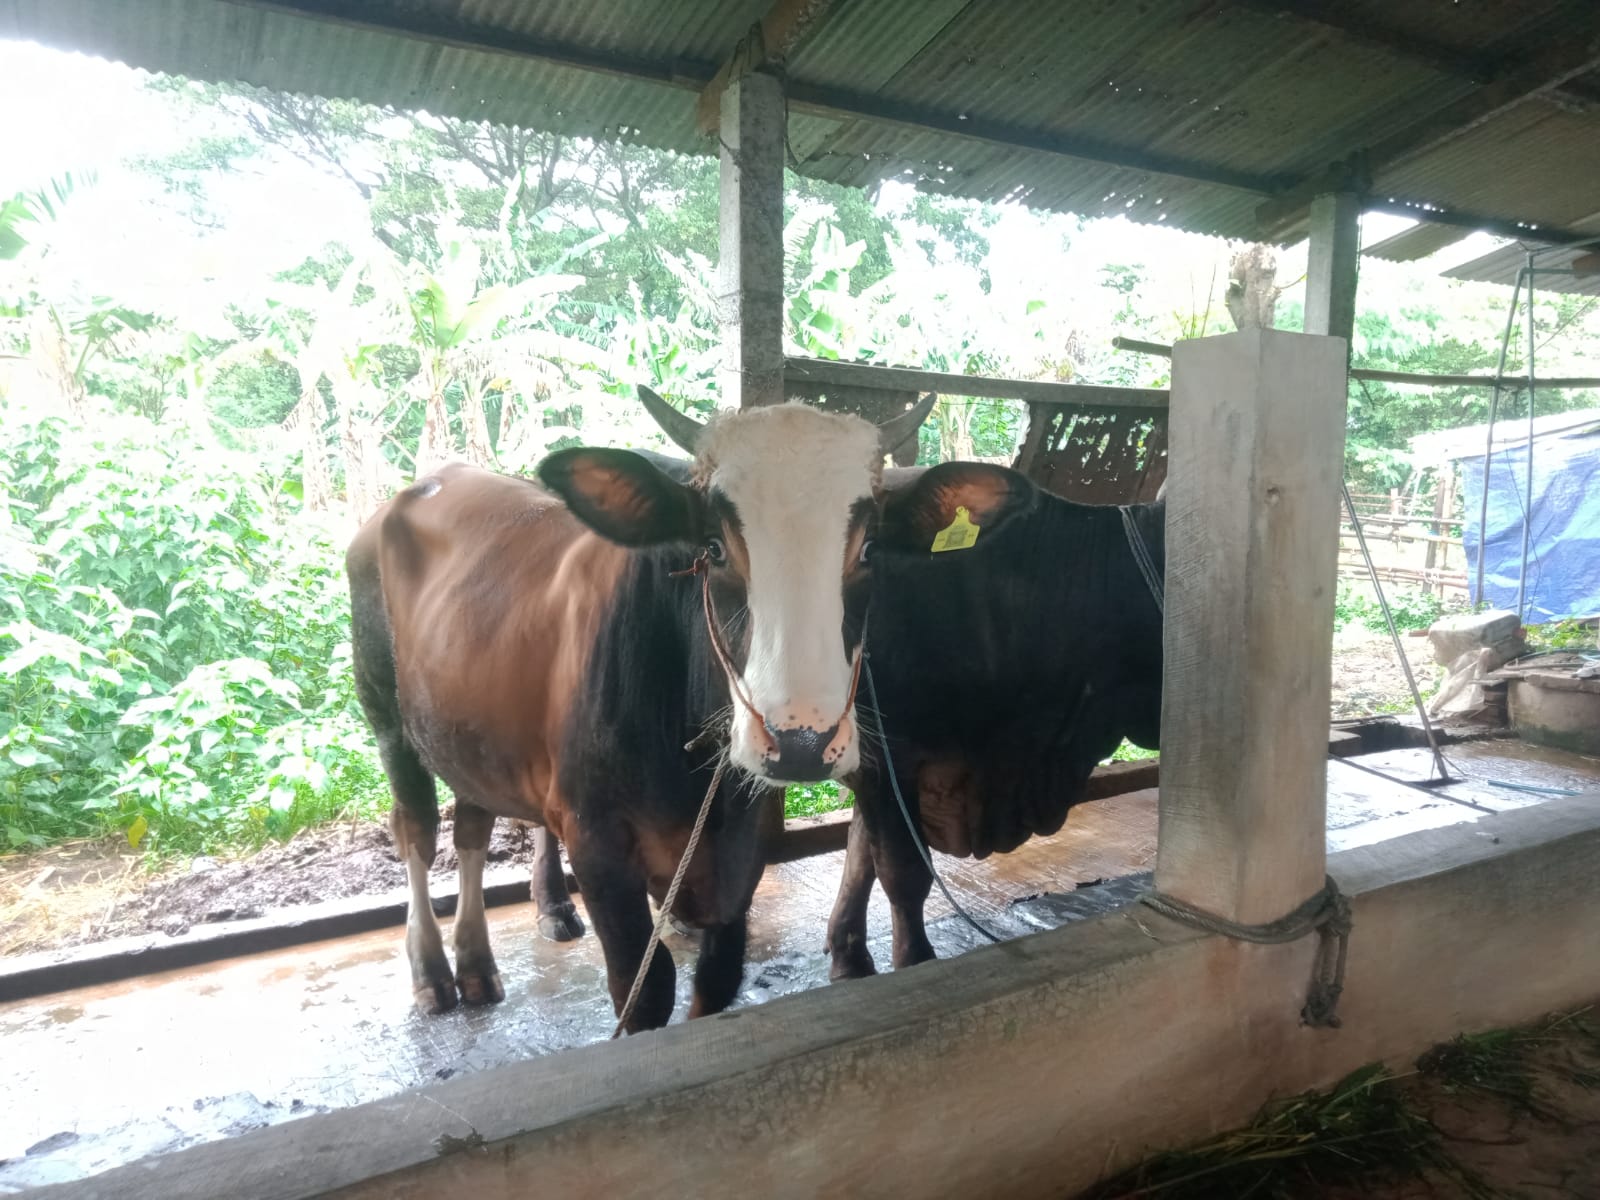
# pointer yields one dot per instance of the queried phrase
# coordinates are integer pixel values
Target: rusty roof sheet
(1183, 112)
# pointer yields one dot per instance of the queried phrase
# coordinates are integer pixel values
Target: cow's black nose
(800, 754)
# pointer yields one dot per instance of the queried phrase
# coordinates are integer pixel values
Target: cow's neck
(653, 682)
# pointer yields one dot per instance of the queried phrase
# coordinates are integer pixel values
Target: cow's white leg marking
(431, 981)
(476, 973)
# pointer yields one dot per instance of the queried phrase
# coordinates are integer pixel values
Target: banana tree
(454, 329)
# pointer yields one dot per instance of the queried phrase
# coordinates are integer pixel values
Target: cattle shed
(1030, 1068)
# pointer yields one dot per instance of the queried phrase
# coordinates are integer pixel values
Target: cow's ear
(621, 496)
(953, 506)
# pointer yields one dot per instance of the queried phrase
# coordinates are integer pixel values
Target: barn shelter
(1029, 1068)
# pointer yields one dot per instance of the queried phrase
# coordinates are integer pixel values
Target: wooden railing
(1087, 442)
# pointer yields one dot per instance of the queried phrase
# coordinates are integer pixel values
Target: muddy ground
(91, 891)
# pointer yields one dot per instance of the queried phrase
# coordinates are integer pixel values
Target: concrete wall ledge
(1021, 1070)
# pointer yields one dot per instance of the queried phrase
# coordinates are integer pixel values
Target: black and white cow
(1005, 671)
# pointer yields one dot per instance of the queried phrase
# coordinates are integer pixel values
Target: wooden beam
(1135, 346)
(1528, 231)
(1256, 452)
(1570, 50)
(848, 105)
(1070, 395)
(769, 43)
(1332, 264)
(750, 240)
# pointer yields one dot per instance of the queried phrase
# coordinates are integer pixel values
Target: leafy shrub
(1412, 609)
(174, 656)
(814, 799)
(1563, 635)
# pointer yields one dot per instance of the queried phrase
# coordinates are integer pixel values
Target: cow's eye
(866, 550)
(716, 552)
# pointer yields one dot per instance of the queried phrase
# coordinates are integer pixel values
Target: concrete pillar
(750, 240)
(1332, 263)
(1256, 455)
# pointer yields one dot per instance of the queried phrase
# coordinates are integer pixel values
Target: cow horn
(894, 432)
(680, 427)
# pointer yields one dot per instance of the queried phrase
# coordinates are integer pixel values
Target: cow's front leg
(416, 838)
(614, 893)
(558, 916)
(906, 881)
(847, 927)
(720, 971)
(477, 977)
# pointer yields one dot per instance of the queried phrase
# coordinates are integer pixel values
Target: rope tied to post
(1326, 913)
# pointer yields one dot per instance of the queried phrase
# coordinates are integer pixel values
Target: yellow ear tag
(958, 535)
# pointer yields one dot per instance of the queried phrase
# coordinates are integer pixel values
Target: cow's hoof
(435, 998)
(561, 924)
(852, 964)
(481, 988)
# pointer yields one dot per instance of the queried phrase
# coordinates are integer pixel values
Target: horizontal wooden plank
(1372, 375)
(48, 971)
(1066, 395)
(803, 837)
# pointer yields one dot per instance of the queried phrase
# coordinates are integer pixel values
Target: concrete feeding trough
(1554, 700)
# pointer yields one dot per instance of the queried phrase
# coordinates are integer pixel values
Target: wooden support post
(750, 273)
(1332, 261)
(1257, 452)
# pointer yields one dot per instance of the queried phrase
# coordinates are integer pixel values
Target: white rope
(667, 902)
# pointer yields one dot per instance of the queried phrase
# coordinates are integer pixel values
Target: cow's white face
(792, 491)
(781, 506)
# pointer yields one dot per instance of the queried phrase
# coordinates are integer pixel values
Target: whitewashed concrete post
(750, 240)
(1333, 264)
(1257, 454)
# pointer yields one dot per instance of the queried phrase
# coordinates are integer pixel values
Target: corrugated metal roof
(1502, 266)
(1537, 162)
(1208, 107)
(1417, 242)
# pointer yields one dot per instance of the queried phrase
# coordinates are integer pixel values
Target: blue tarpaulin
(1564, 546)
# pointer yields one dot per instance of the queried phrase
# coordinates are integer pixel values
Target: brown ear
(916, 517)
(621, 496)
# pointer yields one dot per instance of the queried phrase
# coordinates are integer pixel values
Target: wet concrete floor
(103, 1076)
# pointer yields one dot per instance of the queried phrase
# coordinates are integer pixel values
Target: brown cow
(548, 653)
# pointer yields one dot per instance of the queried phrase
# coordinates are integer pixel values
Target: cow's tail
(377, 686)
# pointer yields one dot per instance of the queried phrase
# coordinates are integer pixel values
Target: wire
(905, 811)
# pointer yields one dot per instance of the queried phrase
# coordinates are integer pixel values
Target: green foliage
(1412, 608)
(814, 799)
(24, 209)
(1563, 635)
(1410, 333)
(1128, 752)
(173, 651)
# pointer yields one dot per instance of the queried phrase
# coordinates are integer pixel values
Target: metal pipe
(1394, 633)
(1488, 450)
(1527, 506)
